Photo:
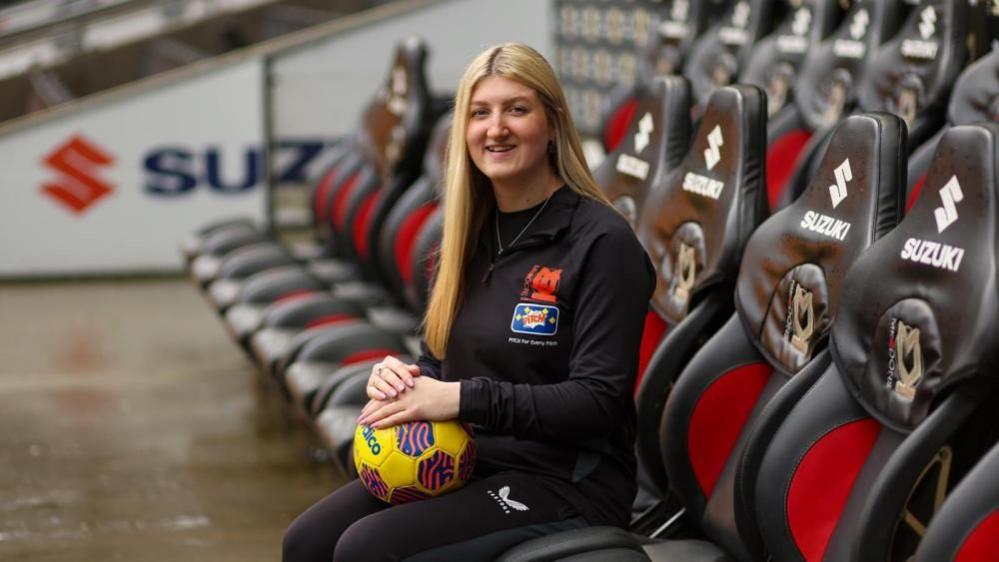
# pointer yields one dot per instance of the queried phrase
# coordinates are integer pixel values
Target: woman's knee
(363, 541)
(303, 542)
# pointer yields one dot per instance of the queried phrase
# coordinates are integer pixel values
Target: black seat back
(721, 52)
(786, 296)
(912, 347)
(776, 59)
(655, 144)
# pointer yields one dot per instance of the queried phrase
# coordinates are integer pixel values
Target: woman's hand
(390, 378)
(428, 400)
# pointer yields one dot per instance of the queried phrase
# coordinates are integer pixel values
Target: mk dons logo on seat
(79, 163)
(686, 272)
(950, 194)
(905, 358)
(843, 174)
(799, 324)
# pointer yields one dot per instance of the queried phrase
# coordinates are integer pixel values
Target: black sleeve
(609, 310)
(429, 365)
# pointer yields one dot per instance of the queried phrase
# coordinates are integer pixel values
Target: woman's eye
(518, 110)
(479, 112)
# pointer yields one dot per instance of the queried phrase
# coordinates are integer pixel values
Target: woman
(531, 336)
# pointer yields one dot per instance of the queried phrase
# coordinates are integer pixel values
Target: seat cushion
(685, 551)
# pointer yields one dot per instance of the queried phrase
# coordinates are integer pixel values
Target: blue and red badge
(535, 319)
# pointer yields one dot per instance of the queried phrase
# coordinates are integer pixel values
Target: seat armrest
(568, 543)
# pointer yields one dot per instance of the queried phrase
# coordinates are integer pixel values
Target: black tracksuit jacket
(545, 345)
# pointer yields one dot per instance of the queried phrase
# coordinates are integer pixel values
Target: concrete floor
(133, 429)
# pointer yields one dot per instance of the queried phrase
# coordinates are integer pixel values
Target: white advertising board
(114, 188)
(320, 89)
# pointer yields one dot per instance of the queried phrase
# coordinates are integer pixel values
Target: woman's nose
(497, 128)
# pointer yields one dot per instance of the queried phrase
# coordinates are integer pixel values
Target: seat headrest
(696, 221)
(718, 55)
(919, 309)
(433, 160)
(912, 75)
(678, 28)
(775, 60)
(656, 143)
(397, 117)
(976, 94)
(789, 285)
(831, 71)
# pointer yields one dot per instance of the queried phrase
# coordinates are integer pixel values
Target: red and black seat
(975, 98)
(966, 529)
(824, 92)
(912, 349)
(680, 24)
(721, 52)
(381, 162)
(655, 144)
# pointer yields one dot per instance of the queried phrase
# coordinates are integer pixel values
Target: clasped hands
(398, 394)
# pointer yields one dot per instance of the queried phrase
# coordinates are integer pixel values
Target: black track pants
(478, 522)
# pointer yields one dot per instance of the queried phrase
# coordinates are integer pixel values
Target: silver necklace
(499, 244)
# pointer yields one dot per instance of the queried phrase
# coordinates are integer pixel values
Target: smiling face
(508, 132)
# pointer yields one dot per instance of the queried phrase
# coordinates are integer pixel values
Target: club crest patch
(535, 319)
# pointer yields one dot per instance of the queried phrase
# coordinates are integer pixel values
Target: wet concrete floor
(131, 428)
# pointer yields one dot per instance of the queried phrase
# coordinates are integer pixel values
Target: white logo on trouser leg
(502, 498)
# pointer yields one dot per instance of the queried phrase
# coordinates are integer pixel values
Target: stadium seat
(966, 529)
(911, 350)
(655, 144)
(786, 298)
(719, 54)
(678, 28)
(825, 92)
(971, 101)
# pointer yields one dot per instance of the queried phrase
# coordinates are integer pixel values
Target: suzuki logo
(907, 345)
(680, 10)
(950, 193)
(843, 174)
(858, 27)
(928, 22)
(740, 14)
(79, 164)
(645, 127)
(715, 140)
(802, 19)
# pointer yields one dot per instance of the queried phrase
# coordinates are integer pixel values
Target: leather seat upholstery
(975, 98)
(967, 527)
(655, 144)
(911, 352)
(719, 54)
(824, 92)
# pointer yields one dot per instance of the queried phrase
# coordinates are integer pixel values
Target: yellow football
(413, 461)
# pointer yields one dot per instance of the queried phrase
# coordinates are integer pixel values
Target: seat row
(695, 214)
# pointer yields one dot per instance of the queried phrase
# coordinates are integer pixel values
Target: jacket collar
(550, 224)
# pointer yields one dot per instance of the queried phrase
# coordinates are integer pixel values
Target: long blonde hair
(468, 194)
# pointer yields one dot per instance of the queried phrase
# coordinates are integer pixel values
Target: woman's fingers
(396, 418)
(380, 412)
(397, 373)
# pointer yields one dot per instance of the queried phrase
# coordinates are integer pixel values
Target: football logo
(686, 272)
(801, 334)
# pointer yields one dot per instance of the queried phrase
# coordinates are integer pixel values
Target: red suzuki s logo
(79, 164)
